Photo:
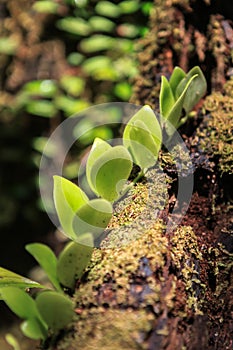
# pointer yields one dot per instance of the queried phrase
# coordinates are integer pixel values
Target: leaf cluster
(83, 219)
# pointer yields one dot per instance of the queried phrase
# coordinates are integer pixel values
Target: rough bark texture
(172, 290)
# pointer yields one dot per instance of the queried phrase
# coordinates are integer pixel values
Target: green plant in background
(83, 220)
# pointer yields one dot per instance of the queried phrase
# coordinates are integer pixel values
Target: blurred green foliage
(56, 59)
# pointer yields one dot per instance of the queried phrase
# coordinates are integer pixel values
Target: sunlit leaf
(68, 198)
(32, 329)
(42, 108)
(108, 9)
(25, 307)
(142, 145)
(144, 128)
(97, 42)
(9, 278)
(44, 88)
(56, 309)
(70, 105)
(76, 26)
(196, 89)
(72, 85)
(176, 111)
(72, 262)
(166, 98)
(110, 172)
(102, 24)
(99, 147)
(45, 6)
(177, 75)
(93, 217)
(123, 90)
(46, 259)
(11, 340)
(129, 6)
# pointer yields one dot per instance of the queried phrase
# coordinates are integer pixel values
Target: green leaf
(72, 262)
(47, 260)
(102, 24)
(98, 148)
(97, 42)
(42, 108)
(110, 172)
(176, 111)
(123, 90)
(45, 6)
(108, 9)
(25, 307)
(166, 98)
(142, 146)
(93, 217)
(56, 309)
(72, 85)
(11, 340)
(76, 26)
(44, 88)
(32, 329)
(196, 89)
(9, 278)
(129, 6)
(70, 105)
(144, 128)
(68, 198)
(19, 302)
(177, 75)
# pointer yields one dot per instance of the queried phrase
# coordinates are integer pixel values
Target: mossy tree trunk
(173, 290)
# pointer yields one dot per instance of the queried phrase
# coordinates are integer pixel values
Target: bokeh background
(57, 57)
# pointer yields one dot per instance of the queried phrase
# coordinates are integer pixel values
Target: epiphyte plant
(179, 95)
(108, 168)
(82, 219)
(51, 310)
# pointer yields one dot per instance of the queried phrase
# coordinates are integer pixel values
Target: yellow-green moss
(110, 315)
(109, 329)
(216, 134)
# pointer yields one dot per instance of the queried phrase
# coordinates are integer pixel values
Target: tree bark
(170, 290)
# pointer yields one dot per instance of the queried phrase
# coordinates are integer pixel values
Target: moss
(113, 329)
(216, 132)
(126, 289)
(138, 210)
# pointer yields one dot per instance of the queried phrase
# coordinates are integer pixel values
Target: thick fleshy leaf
(196, 89)
(93, 217)
(46, 259)
(110, 172)
(148, 124)
(177, 75)
(99, 147)
(166, 98)
(56, 309)
(72, 262)
(142, 145)
(68, 198)
(11, 279)
(25, 307)
(33, 329)
(176, 111)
